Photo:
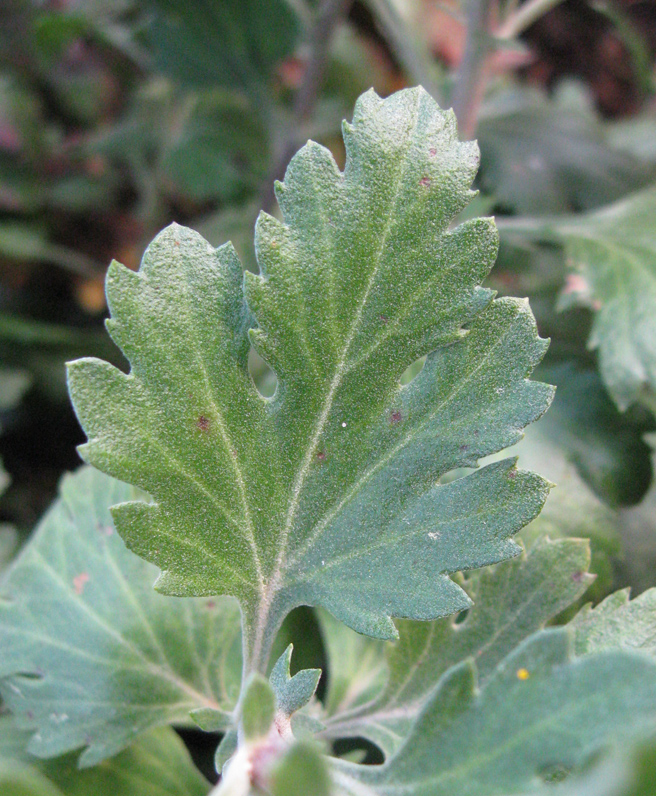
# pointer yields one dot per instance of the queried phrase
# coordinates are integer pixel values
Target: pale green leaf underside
(328, 493)
(612, 253)
(539, 711)
(511, 601)
(292, 693)
(111, 656)
(157, 764)
(618, 622)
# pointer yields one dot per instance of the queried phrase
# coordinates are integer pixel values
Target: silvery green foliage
(339, 491)
(328, 493)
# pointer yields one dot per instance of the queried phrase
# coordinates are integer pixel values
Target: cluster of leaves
(368, 469)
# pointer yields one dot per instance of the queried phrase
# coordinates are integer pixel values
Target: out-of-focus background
(120, 116)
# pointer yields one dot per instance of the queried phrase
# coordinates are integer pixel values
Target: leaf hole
(264, 378)
(412, 371)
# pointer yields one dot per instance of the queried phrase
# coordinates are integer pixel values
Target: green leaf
(300, 772)
(292, 693)
(356, 666)
(538, 711)
(512, 601)
(258, 708)
(157, 764)
(605, 446)
(105, 656)
(327, 493)
(612, 255)
(232, 43)
(638, 532)
(220, 152)
(617, 622)
(543, 155)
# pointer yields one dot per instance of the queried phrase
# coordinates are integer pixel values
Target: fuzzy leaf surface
(106, 656)
(540, 710)
(157, 764)
(327, 493)
(618, 622)
(612, 255)
(511, 601)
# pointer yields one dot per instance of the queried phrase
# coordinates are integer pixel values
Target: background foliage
(119, 117)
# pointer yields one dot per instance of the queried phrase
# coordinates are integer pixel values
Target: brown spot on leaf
(210, 604)
(512, 474)
(176, 243)
(395, 417)
(79, 582)
(432, 152)
(321, 455)
(384, 319)
(425, 181)
(203, 423)
(577, 577)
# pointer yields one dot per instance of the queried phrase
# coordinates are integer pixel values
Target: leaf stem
(472, 74)
(260, 623)
(524, 17)
(411, 52)
(329, 16)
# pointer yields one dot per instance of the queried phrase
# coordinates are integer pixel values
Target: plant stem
(524, 17)
(472, 74)
(329, 16)
(411, 52)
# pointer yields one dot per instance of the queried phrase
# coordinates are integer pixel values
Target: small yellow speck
(522, 674)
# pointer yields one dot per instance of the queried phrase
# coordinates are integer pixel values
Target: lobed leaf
(540, 710)
(512, 601)
(329, 492)
(612, 254)
(617, 622)
(157, 764)
(91, 655)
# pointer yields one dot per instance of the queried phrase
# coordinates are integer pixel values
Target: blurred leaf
(635, 135)
(258, 708)
(157, 764)
(235, 224)
(26, 240)
(541, 156)
(612, 256)
(231, 43)
(617, 623)
(357, 667)
(301, 772)
(511, 601)
(221, 151)
(539, 710)
(638, 532)
(111, 656)
(13, 384)
(605, 446)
